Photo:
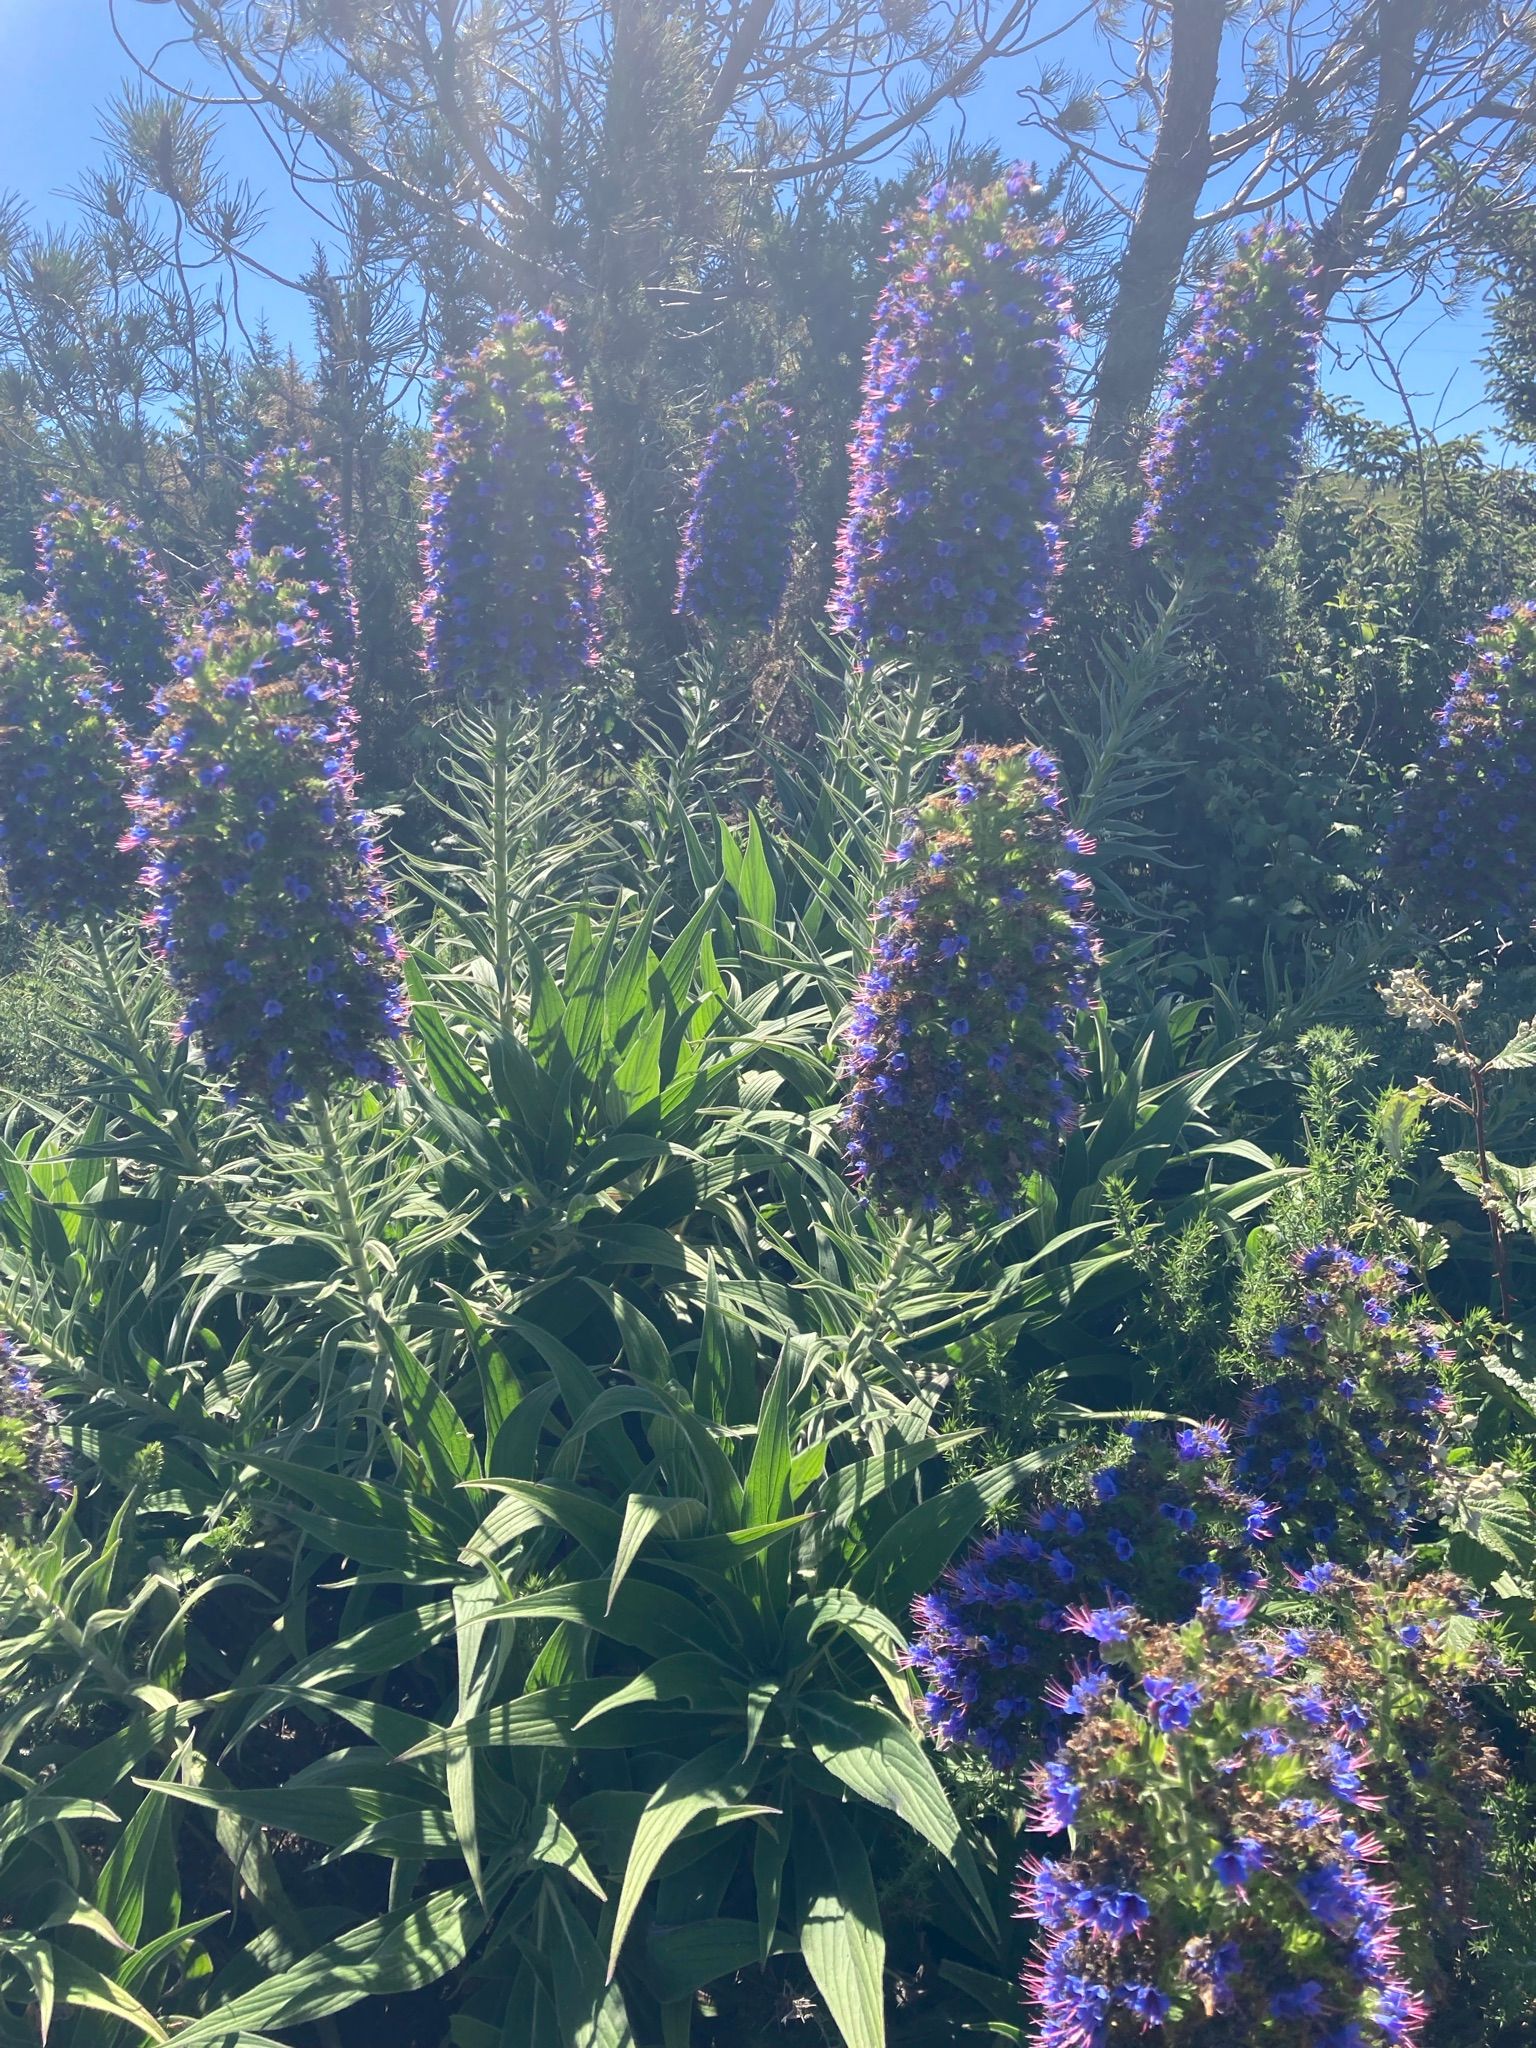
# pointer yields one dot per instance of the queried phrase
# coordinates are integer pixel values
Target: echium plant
(1347, 1435)
(110, 594)
(952, 536)
(738, 537)
(513, 550)
(1226, 451)
(1462, 846)
(63, 796)
(1337, 1455)
(960, 1057)
(269, 907)
(1274, 1823)
(288, 509)
(1006, 1644)
(34, 1459)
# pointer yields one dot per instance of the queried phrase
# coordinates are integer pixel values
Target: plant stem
(149, 1075)
(357, 1260)
(907, 753)
(501, 855)
(1477, 1090)
(875, 1319)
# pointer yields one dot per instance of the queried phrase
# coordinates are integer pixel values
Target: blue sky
(59, 65)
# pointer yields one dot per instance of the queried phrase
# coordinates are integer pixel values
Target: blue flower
(737, 541)
(1226, 452)
(1237, 1864)
(962, 438)
(508, 488)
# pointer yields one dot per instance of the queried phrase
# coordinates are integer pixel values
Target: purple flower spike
(269, 908)
(952, 537)
(739, 534)
(959, 1058)
(1462, 846)
(512, 557)
(63, 793)
(110, 597)
(289, 511)
(1226, 452)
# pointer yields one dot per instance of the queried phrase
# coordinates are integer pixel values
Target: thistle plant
(104, 583)
(1226, 452)
(513, 550)
(952, 536)
(269, 908)
(289, 511)
(63, 797)
(739, 533)
(1462, 845)
(1273, 1823)
(959, 1054)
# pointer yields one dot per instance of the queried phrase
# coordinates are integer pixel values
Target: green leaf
(398, 1952)
(710, 1790)
(332, 1814)
(1519, 1053)
(646, 1516)
(589, 2009)
(914, 1551)
(880, 1759)
(840, 1932)
(767, 1490)
(685, 1960)
(432, 1424)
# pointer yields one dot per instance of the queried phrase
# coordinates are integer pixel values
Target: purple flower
(288, 511)
(952, 537)
(35, 1474)
(1226, 452)
(269, 909)
(937, 1115)
(1103, 1624)
(739, 533)
(1203, 1440)
(512, 559)
(63, 796)
(1173, 1701)
(1057, 1796)
(109, 593)
(1234, 1866)
(1462, 844)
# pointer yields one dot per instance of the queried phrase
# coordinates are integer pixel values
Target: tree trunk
(1154, 254)
(1338, 244)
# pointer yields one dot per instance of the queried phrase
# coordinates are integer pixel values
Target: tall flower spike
(1226, 453)
(269, 907)
(952, 536)
(104, 582)
(64, 773)
(738, 537)
(289, 510)
(1462, 846)
(513, 549)
(959, 1059)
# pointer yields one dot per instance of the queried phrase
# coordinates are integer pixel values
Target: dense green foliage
(462, 1524)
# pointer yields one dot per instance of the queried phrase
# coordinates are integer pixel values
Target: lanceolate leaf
(881, 1760)
(711, 1790)
(840, 1932)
